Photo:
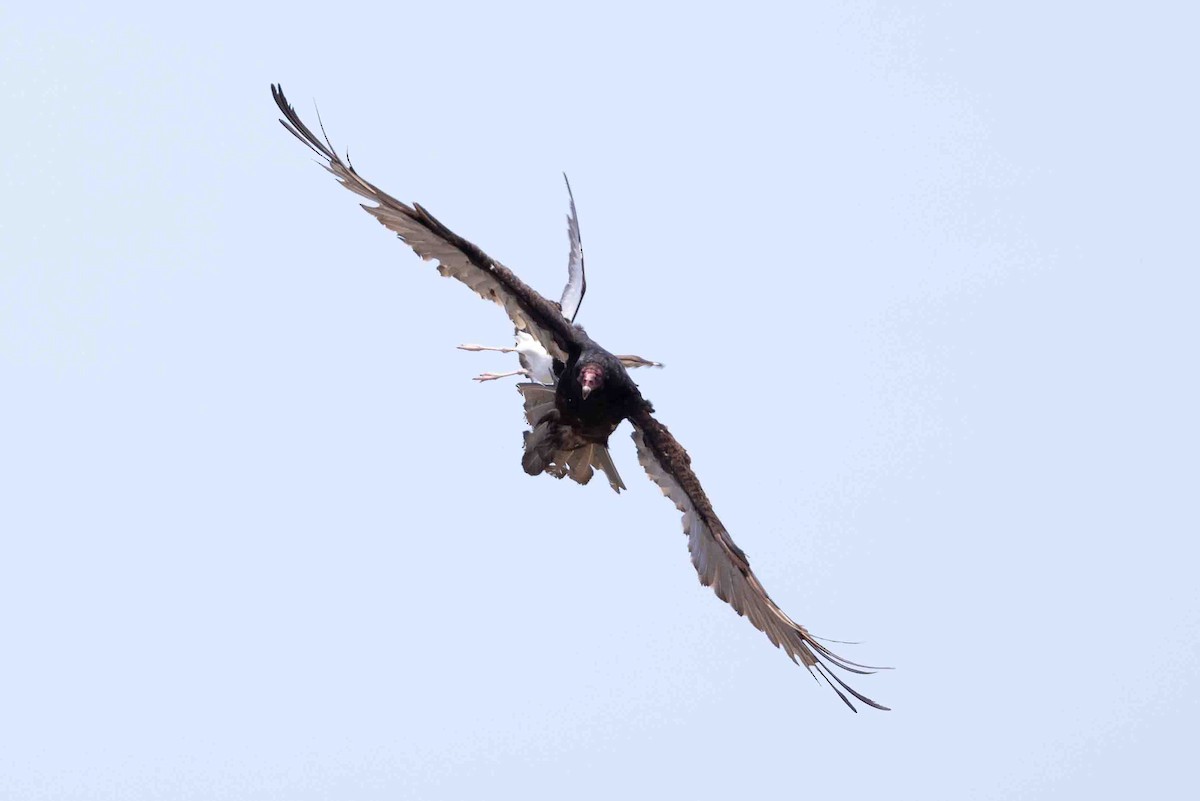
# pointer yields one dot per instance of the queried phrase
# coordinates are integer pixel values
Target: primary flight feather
(572, 417)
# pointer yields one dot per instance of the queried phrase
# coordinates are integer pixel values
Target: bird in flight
(544, 370)
(572, 417)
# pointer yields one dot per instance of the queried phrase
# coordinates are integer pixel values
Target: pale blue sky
(923, 276)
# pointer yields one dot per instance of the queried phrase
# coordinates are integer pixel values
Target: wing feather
(722, 565)
(430, 239)
(573, 293)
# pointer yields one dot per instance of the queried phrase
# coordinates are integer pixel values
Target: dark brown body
(576, 421)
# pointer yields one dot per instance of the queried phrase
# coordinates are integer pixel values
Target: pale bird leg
(493, 376)
(478, 348)
(637, 361)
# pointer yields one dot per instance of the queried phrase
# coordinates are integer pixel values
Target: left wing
(576, 286)
(456, 257)
(723, 566)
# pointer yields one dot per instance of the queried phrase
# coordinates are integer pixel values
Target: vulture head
(591, 377)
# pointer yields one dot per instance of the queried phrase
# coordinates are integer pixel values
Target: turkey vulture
(537, 364)
(576, 415)
(535, 361)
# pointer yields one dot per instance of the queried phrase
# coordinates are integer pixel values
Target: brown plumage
(571, 421)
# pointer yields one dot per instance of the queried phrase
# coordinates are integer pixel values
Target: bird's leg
(630, 360)
(493, 376)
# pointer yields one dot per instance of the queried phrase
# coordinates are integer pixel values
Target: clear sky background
(924, 279)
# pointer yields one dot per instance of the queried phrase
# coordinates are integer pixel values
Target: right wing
(456, 257)
(572, 295)
(723, 566)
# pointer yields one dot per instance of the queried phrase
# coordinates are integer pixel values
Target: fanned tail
(558, 449)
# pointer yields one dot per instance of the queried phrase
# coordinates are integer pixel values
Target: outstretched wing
(723, 566)
(456, 257)
(572, 295)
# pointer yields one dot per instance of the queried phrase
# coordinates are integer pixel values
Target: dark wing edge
(722, 565)
(430, 239)
(576, 288)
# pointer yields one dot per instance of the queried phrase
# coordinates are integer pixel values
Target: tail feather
(558, 449)
(541, 449)
(579, 463)
(602, 460)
